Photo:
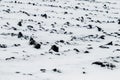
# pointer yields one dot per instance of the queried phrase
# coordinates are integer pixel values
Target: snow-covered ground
(59, 39)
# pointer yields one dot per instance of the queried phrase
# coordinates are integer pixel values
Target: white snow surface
(86, 32)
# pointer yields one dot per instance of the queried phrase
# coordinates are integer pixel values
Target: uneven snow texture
(59, 39)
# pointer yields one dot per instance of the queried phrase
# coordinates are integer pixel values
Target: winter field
(59, 39)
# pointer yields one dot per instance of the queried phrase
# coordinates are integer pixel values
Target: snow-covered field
(59, 39)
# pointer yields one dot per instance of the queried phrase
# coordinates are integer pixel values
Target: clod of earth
(32, 41)
(37, 46)
(110, 43)
(43, 70)
(105, 64)
(56, 70)
(3, 46)
(20, 35)
(55, 48)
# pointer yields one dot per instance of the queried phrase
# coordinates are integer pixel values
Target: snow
(81, 29)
